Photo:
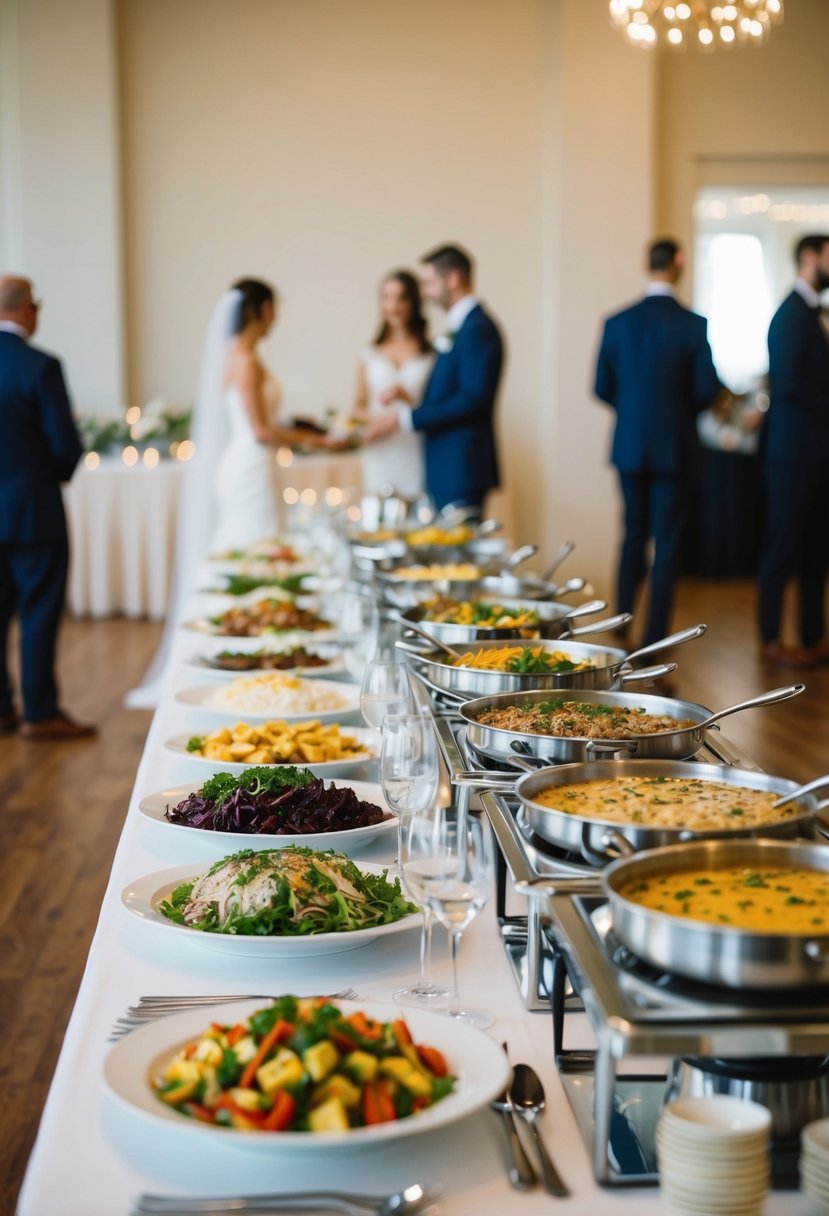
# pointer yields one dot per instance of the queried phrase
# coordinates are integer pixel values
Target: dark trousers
(33, 585)
(796, 542)
(654, 507)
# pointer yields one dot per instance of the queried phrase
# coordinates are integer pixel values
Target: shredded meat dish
(581, 720)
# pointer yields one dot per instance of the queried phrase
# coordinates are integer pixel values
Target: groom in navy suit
(456, 413)
(655, 370)
(39, 450)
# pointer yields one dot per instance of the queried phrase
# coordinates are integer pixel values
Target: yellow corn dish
(441, 536)
(774, 900)
(669, 802)
(278, 742)
(474, 612)
(453, 571)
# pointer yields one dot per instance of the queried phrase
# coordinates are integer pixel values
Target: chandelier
(700, 23)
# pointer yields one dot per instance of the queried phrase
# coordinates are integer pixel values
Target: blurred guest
(40, 449)
(655, 370)
(794, 449)
(456, 413)
(395, 367)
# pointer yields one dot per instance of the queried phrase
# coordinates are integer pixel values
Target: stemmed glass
(409, 777)
(448, 857)
(385, 691)
(358, 626)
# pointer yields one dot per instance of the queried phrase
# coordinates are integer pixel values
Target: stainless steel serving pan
(599, 841)
(680, 743)
(555, 621)
(719, 954)
(611, 667)
(406, 593)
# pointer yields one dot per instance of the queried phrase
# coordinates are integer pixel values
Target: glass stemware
(385, 690)
(409, 777)
(358, 624)
(450, 857)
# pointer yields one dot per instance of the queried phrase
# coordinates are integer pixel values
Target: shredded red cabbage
(294, 810)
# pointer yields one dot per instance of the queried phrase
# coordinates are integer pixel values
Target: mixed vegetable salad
(304, 1065)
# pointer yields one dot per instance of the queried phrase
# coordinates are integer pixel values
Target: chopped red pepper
(236, 1033)
(432, 1058)
(280, 1031)
(199, 1112)
(281, 1113)
(401, 1032)
(377, 1104)
(365, 1027)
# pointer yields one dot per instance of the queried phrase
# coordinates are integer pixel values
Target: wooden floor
(62, 807)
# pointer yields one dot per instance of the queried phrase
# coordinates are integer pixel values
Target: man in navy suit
(794, 447)
(655, 370)
(456, 413)
(39, 450)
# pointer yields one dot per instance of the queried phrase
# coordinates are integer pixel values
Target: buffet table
(93, 1156)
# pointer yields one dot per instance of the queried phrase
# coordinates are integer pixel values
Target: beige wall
(59, 183)
(750, 117)
(322, 143)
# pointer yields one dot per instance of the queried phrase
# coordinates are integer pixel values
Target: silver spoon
(527, 1096)
(450, 650)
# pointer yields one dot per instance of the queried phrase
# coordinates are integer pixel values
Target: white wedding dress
(397, 460)
(246, 487)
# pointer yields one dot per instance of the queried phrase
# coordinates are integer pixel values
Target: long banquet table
(93, 1157)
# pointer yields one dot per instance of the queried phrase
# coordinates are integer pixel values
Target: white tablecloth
(92, 1156)
(122, 528)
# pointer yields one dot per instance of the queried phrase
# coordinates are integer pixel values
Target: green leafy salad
(292, 891)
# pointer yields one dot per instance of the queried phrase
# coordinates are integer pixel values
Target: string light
(649, 23)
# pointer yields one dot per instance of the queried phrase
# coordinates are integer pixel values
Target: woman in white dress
(245, 483)
(395, 366)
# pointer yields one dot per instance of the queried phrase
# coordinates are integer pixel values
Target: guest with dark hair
(457, 410)
(656, 372)
(40, 449)
(794, 451)
(395, 367)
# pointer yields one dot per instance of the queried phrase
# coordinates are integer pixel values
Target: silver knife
(521, 1174)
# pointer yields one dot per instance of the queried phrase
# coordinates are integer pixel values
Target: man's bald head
(17, 302)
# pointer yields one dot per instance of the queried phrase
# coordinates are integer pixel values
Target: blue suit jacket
(655, 369)
(456, 414)
(39, 444)
(796, 426)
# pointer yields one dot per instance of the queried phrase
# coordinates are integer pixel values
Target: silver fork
(151, 1007)
(414, 1200)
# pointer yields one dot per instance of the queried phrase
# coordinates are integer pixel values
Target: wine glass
(450, 855)
(409, 777)
(385, 691)
(358, 625)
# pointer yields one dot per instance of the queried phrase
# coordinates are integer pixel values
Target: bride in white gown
(246, 490)
(396, 366)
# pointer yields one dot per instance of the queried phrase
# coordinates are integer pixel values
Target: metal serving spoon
(527, 1095)
(450, 650)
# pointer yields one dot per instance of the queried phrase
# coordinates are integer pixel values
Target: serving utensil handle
(644, 674)
(620, 621)
(564, 551)
(674, 639)
(817, 784)
(766, 698)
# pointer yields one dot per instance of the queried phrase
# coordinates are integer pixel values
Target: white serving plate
(347, 841)
(177, 746)
(143, 896)
(476, 1060)
(278, 640)
(201, 663)
(198, 698)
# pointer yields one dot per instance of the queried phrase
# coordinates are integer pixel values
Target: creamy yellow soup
(669, 802)
(774, 900)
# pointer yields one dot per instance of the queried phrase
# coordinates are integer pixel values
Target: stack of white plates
(814, 1164)
(713, 1156)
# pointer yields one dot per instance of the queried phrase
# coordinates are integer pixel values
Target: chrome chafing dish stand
(673, 1036)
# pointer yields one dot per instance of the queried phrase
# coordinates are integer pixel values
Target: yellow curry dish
(461, 535)
(452, 571)
(775, 900)
(669, 802)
